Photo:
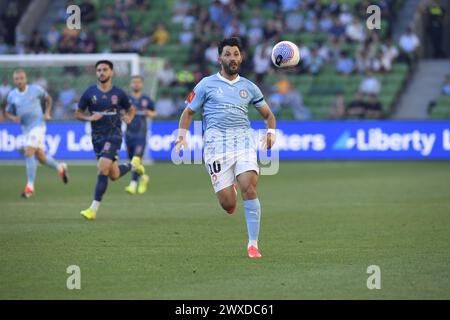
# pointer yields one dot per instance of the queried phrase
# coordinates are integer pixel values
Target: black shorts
(107, 148)
(135, 146)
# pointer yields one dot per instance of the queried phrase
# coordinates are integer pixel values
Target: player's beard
(231, 68)
(105, 80)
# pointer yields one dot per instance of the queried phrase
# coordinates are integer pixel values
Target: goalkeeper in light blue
(223, 100)
(24, 106)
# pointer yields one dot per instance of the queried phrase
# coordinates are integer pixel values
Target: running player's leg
(31, 166)
(247, 171)
(222, 179)
(227, 198)
(50, 162)
(247, 183)
(132, 187)
(142, 179)
(103, 170)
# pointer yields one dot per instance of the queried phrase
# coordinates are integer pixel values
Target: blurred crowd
(336, 25)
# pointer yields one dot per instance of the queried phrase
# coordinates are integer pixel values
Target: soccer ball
(285, 54)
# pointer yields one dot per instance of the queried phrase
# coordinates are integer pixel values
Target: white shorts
(224, 170)
(35, 138)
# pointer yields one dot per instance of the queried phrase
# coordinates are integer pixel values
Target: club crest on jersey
(114, 99)
(106, 146)
(243, 94)
(144, 103)
(94, 99)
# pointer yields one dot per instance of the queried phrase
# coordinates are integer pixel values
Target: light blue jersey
(27, 105)
(224, 107)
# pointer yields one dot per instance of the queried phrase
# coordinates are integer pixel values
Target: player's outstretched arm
(80, 115)
(185, 123)
(271, 123)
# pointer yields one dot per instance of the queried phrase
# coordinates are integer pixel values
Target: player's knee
(113, 177)
(249, 192)
(104, 171)
(228, 205)
(29, 152)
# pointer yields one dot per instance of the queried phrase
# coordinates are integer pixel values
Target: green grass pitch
(323, 224)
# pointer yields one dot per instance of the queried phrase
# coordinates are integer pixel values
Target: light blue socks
(252, 217)
(31, 169)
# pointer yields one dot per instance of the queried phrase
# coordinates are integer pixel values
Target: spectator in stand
(108, 20)
(142, 5)
(166, 76)
(337, 109)
(334, 7)
(345, 64)
(5, 88)
(374, 108)
(180, 10)
(40, 80)
(370, 84)
(186, 36)
(262, 61)
(326, 22)
(139, 41)
(257, 19)
(355, 31)
(124, 5)
(436, 25)
(345, 17)
(36, 44)
(197, 54)
(124, 22)
(337, 31)
(52, 38)
(165, 106)
(323, 51)
(287, 96)
(161, 35)
(311, 23)
(315, 62)
(356, 109)
(409, 45)
(87, 10)
(446, 86)
(363, 62)
(270, 30)
(87, 42)
(120, 41)
(305, 55)
(255, 33)
(235, 29)
(67, 99)
(289, 5)
(215, 11)
(390, 51)
(294, 21)
(212, 53)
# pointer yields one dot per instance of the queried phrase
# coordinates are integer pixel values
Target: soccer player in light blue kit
(230, 151)
(24, 107)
